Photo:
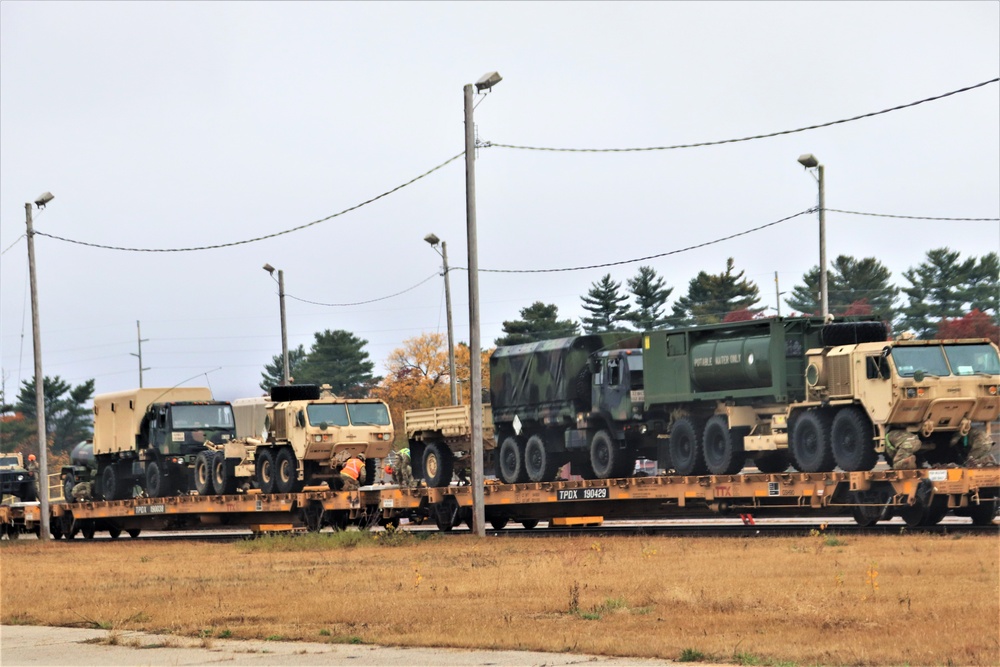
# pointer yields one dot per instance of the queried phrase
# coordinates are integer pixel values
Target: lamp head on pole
(487, 81)
(808, 161)
(269, 269)
(432, 239)
(43, 199)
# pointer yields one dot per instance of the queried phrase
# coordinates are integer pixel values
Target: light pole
(433, 240)
(43, 455)
(487, 81)
(284, 329)
(809, 161)
(142, 340)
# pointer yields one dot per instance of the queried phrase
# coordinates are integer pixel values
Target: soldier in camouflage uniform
(402, 471)
(978, 445)
(81, 492)
(901, 448)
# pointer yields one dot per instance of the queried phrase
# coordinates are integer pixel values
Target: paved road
(70, 647)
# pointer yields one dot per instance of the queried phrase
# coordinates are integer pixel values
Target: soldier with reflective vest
(353, 472)
(402, 472)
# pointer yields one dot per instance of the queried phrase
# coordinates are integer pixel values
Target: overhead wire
(912, 217)
(362, 303)
(741, 139)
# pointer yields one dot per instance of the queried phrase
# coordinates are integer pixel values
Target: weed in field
(574, 598)
(871, 580)
(744, 658)
(324, 633)
(225, 634)
(691, 655)
(417, 577)
(274, 638)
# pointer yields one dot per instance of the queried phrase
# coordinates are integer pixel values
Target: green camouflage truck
(817, 396)
(576, 400)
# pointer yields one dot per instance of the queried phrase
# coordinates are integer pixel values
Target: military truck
(300, 437)
(440, 441)
(15, 480)
(577, 400)
(814, 395)
(151, 437)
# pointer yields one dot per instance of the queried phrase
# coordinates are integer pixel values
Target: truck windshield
(189, 417)
(972, 359)
(928, 359)
(332, 414)
(9, 461)
(369, 414)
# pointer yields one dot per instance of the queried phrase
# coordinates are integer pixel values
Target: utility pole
(284, 328)
(141, 341)
(777, 294)
(433, 240)
(809, 161)
(36, 339)
(475, 359)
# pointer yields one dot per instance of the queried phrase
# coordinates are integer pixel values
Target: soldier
(33, 472)
(81, 492)
(402, 472)
(352, 472)
(979, 445)
(901, 448)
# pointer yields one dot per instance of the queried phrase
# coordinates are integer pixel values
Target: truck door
(611, 388)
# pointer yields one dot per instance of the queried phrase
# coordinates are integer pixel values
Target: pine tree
(850, 281)
(944, 287)
(607, 306)
(711, 297)
(538, 321)
(651, 293)
(337, 359)
(274, 372)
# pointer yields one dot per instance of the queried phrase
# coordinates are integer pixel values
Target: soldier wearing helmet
(352, 472)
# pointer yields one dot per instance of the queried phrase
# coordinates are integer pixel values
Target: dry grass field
(813, 600)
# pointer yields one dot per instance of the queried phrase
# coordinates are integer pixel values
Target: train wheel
(499, 522)
(540, 464)
(133, 532)
(110, 483)
(511, 462)
(723, 447)
(285, 471)
(446, 514)
(686, 447)
(312, 516)
(203, 473)
(529, 524)
(852, 440)
(983, 513)
(223, 475)
(810, 446)
(265, 470)
(439, 464)
(88, 530)
(115, 532)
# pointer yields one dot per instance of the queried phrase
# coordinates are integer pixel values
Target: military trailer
(440, 441)
(574, 400)
(302, 437)
(151, 437)
(814, 395)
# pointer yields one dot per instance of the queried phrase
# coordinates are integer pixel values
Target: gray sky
(173, 125)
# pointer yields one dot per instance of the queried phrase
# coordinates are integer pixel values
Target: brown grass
(881, 600)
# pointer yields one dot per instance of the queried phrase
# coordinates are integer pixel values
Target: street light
(433, 240)
(284, 329)
(809, 161)
(43, 456)
(487, 81)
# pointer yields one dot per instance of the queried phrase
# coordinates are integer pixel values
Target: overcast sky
(176, 125)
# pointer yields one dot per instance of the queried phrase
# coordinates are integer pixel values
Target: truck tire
(223, 475)
(157, 483)
(438, 464)
(371, 469)
(109, 482)
(607, 459)
(510, 462)
(810, 445)
(686, 447)
(265, 470)
(68, 485)
(723, 447)
(286, 471)
(203, 473)
(852, 440)
(540, 465)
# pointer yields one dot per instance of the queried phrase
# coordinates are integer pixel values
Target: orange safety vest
(353, 468)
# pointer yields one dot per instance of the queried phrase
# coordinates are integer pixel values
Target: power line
(12, 244)
(733, 141)
(259, 238)
(912, 217)
(648, 257)
(361, 303)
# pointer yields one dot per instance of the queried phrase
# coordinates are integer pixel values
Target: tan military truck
(151, 437)
(440, 441)
(299, 436)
